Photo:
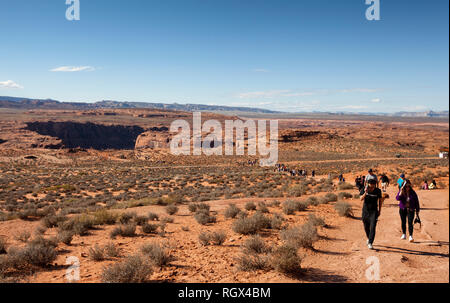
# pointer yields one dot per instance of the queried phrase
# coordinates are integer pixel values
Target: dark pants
(404, 214)
(369, 219)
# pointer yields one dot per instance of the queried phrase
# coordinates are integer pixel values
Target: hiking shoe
(367, 241)
(411, 239)
(403, 237)
(370, 246)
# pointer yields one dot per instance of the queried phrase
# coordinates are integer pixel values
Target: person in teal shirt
(400, 181)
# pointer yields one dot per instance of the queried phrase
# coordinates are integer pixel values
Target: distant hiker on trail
(341, 177)
(370, 176)
(433, 185)
(409, 206)
(425, 185)
(358, 183)
(313, 173)
(400, 181)
(384, 182)
(372, 198)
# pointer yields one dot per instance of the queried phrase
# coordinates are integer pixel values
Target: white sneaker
(411, 239)
(367, 241)
(370, 246)
(403, 237)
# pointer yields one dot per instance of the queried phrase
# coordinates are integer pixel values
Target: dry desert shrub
(134, 269)
(203, 217)
(153, 217)
(316, 221)
(171, 209)
(96, 253)
(65, 236)
(111, 250)
(345, 186)
(232, 211)
(157, 254)
(285, 260)
(149, 228)
(125, 218)
(203, 238)
(252, 262)
(344, 195)
(344, 209)
(250, 206)
(289, 207)
(255, 245)
(128, 230)
(3, 245)
(104, 217)
(312, 201)
(300, 236)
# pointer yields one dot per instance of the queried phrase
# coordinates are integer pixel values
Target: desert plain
(102, 188)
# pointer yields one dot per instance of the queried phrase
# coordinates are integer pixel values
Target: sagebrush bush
(171, 209)
(157, 254)
(104, 217)
(218, 237)
(3, 246)
(149, 228)
(203, 238)
(252, 262)
(125, 218)
(312, 201)
(255, 245)
(153, 217)
(232, 211)
(96, 253)
(345, 195)
(134, 269)
(276, 221)
(344, 209)
(203, 217)
(289, 207)
(128, 230)
(286, 260)
(65, 236)
(345, 186)
(300, 236)
(316, 221)
(250, 206)
(330, 197)
(111, 250)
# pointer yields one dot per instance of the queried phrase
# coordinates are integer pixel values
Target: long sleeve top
(410, 200)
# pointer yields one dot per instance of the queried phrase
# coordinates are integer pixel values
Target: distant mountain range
(27, 103)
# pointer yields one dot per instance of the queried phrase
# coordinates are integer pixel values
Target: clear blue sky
(302, 55)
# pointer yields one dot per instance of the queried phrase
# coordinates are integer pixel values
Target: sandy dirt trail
(343, 257)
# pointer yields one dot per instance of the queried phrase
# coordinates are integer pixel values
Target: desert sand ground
(38, 171)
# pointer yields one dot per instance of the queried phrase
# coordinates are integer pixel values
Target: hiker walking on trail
(384, 182)
(372, 198)
(400, 181)
(409, 206)
(371, 176)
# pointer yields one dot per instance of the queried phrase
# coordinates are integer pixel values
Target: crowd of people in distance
(293, 171)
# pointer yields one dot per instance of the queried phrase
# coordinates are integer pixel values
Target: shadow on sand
(410, 251)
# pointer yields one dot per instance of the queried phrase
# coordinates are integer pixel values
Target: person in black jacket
(372, 198)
